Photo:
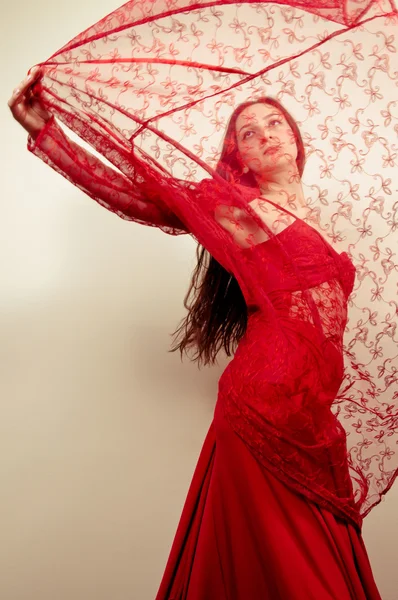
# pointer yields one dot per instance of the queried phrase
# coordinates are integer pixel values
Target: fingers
(21, 89)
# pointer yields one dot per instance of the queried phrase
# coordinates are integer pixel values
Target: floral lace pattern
(312, 389)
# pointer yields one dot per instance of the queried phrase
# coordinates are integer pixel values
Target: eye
(247, 133)
(275, 121)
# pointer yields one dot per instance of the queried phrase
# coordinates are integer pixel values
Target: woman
(270, 512)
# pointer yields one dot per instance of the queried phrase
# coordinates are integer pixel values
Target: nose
(266, 142)
(266, 137)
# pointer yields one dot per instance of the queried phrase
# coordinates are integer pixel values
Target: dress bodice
(310, 262)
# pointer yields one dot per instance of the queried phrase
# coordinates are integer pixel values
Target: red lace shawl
(151, 87)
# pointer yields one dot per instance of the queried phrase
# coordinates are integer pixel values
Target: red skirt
(244, 535)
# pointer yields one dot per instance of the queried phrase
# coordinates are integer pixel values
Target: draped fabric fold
(312, 389)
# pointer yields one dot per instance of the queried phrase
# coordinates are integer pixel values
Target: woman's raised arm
(110, 188)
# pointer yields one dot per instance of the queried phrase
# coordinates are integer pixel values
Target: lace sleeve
(111, 189)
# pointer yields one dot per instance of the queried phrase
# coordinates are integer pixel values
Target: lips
(273, 148)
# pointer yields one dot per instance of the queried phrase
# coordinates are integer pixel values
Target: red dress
(244, 534)
(271, 511)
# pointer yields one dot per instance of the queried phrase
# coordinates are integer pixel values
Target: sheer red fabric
(312, 389)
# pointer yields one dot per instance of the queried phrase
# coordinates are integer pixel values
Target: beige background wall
(100, 426)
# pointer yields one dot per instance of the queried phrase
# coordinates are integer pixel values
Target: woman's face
(265, 140)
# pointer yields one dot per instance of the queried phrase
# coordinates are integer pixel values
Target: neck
(283, 188)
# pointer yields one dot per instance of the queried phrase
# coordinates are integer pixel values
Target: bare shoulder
(274, 216)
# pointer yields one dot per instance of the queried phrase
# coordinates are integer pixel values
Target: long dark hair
(217, 311)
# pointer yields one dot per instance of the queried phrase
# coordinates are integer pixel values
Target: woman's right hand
(27, 108)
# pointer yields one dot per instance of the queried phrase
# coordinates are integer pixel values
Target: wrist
(37, 134)
(34, 133)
